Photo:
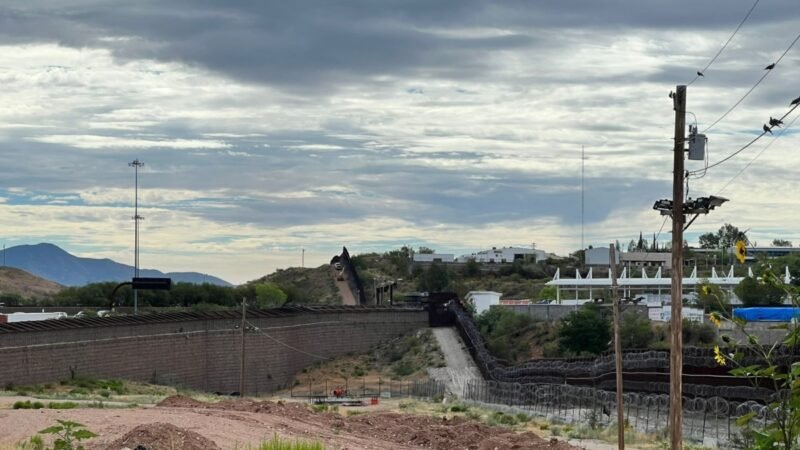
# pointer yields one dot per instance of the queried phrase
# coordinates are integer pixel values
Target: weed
(277, 443)
(410, 404)
(69, 434)
(555, 431)
(323, 407)
(354, 413)
(499, 418)
(523, 418)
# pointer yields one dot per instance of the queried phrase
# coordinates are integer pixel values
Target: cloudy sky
(267, 127)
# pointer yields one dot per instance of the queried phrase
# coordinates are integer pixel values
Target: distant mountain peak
(53, 263)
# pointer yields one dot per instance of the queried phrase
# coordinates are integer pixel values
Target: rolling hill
(52, 263)
(14, 281)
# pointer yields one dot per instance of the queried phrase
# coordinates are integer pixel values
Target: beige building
(647, 259)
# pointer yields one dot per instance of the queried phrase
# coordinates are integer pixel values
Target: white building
(482, 300)
(434, 257)
(505, 255)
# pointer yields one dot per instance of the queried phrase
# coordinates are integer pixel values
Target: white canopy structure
(645, 283)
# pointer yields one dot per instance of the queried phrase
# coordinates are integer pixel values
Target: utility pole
(241, 367)
(303, 259)
(617, 348)
(676, 324)
(136, 218)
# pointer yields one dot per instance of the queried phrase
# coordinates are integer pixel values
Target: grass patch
(277, 443)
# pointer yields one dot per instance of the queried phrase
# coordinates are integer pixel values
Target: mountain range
(52, 263)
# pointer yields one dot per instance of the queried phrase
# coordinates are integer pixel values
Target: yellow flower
(718, 357)
(714, 318)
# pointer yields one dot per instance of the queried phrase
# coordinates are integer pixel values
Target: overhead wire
(766, 73)
(724, 46)
(758, 155)
(279, 342)
(746, 146)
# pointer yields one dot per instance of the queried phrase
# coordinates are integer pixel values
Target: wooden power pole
(241, 367)
(676, 322)
(617, 348)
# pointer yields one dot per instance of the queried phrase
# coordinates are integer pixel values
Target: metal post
(617, 348)
(136, 218)
(676, 325)
(242, 366)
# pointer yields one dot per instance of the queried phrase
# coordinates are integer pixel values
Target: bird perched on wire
(770, 67)
(795, 101)
(767, 129)
(775, 122)
(700, 74)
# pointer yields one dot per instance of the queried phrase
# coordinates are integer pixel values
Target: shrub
(458, 407)
(585, 331)
(499, 418)
(62, 405)
(635, 330)
(277, 443)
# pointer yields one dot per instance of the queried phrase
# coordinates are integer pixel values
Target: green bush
(585, 331)
(635, 330)
(62, 405)
(499, 418)
(458, 407)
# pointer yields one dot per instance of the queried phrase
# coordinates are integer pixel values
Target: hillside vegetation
(306, 285)
(18, 284)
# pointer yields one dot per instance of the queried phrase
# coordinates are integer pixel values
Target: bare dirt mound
(158, 436)
(181, 401)
(403, 429)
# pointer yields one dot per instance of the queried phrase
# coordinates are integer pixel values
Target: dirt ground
(236, 423)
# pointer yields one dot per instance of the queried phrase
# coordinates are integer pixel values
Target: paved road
(460, 366)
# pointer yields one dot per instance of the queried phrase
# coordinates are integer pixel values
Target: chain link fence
(708, 420)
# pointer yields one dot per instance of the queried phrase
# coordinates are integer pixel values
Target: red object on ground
(373, 401)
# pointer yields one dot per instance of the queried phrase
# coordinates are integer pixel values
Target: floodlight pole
(676, 323)
(136, 218)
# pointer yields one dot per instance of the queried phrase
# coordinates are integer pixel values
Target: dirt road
(460, 366)
(348, 297)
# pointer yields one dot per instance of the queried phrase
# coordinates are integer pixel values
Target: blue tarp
(767, 314)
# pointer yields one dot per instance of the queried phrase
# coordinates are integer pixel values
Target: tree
(584, 331)
(631, 245)
(725, 237)
(548, 293)
(472, 268)
(269, 295)
(709, 240)
(753, 292)
(635, 330)
(502, 329)
(781, 243)
(426, 251)
(435, 279)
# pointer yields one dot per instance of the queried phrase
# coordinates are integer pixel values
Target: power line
(766, 73)
(766, 130)
(758, 155)
(726, 42)
(277, 341)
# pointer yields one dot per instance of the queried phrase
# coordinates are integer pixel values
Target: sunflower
(718, 357)
(715, 319)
